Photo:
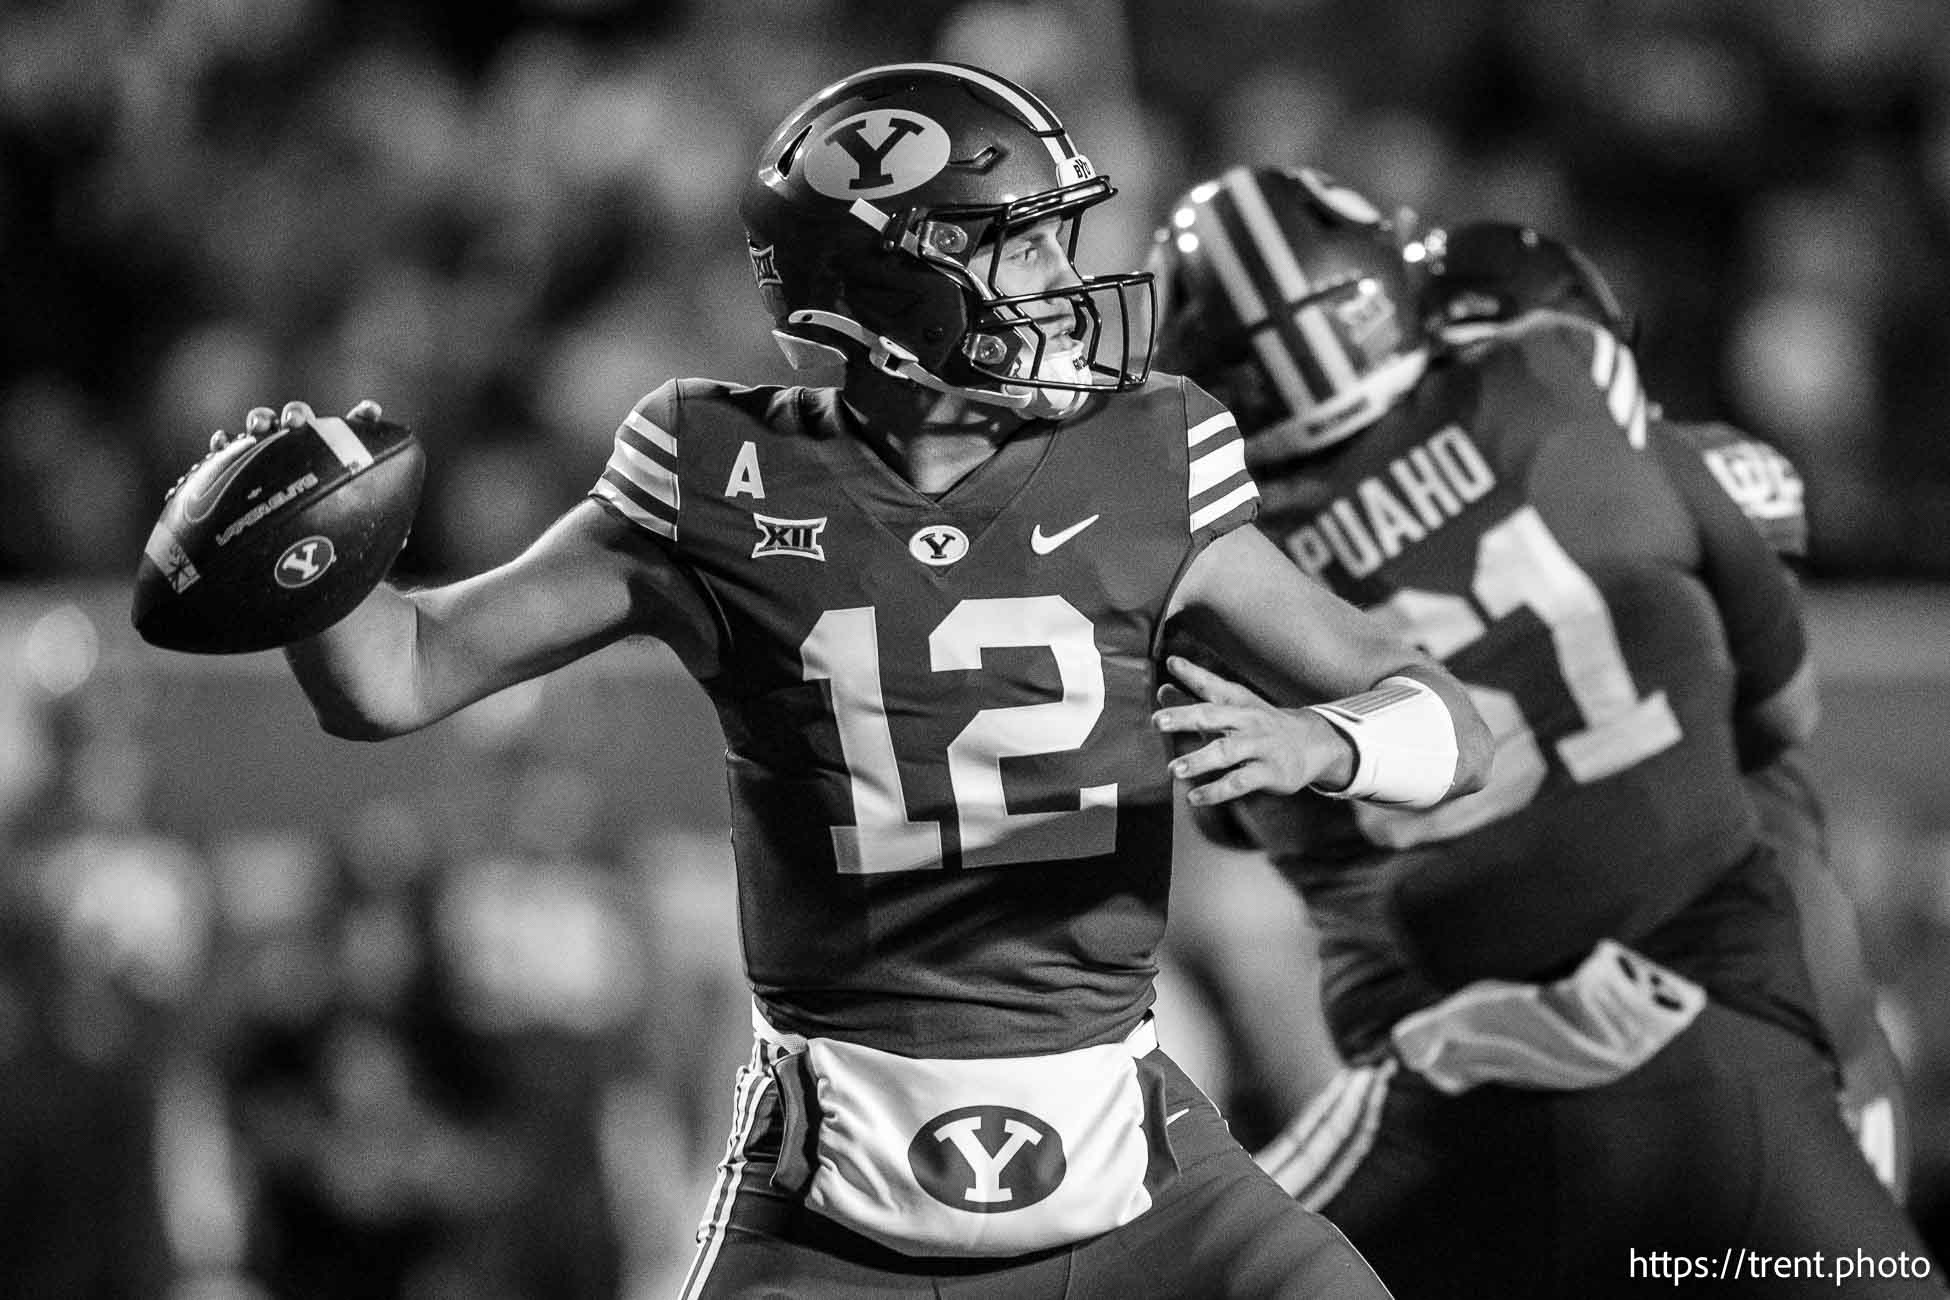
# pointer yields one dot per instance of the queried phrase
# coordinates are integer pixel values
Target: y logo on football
(303, 561)
(877, 153)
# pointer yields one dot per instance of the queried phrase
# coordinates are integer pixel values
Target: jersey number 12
(844, 648)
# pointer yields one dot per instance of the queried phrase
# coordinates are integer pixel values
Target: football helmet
(877, 218)
(1480, 275)
(1284, 294)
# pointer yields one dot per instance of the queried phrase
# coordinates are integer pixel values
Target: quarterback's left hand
(1256, 747)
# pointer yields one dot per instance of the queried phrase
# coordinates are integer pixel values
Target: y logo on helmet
(873, 154)
(304, 562)
(987, 1159)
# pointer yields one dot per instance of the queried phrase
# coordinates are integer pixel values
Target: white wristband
(1404, 743)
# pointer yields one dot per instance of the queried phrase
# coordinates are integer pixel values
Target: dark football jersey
(951, 819)
(1768, 489)
(1607, 608)
(1762, 482)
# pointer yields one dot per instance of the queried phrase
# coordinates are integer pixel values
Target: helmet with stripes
(1480, 275)
(877, 219)
(1284, 294)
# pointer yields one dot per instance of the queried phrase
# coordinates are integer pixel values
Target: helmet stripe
(1323, 342)
(1276, 323)
(1032, 108)
(1040, 119)
(1250, 308)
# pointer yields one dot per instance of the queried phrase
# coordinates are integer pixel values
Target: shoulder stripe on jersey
(657, 438)
(647, 456)
(640, 480)
(1240, 496)
(1627, 398)
(635, 504)
(1616, 370)
(1604, 351)
(1217, 482)
(1216, 466)
(1207, 427)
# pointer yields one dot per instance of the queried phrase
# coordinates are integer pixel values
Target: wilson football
(275, 538)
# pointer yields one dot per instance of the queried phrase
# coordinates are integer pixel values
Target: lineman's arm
(1777, 701)
(402, 660)
(1301, 644)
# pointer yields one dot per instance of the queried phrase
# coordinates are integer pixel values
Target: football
(274, 538)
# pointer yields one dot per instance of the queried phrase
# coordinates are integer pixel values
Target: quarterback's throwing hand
(262, 419)
(1254, 747)
(279, 532)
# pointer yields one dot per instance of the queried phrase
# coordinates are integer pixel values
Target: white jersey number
(1519, 565)
(844, 648)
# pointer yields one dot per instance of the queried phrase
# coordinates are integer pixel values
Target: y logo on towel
(987, 1159)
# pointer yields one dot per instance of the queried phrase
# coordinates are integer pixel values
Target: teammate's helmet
(875, 221)
(1480, 275)
(1284, 294)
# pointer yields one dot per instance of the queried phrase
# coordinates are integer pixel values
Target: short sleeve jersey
(950, 816)
(1762, 482)
(1606, 607)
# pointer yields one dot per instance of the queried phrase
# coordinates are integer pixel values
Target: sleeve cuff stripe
(644, 448)
(1240, 496)
(1217, 465)
(1206, 428)
(648, 476)
(636, 504)
(656, 437)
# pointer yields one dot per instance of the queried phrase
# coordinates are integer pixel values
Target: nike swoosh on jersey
(1177, 1115)
(1043, 543)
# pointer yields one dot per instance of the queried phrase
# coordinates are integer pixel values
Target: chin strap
(886, 356)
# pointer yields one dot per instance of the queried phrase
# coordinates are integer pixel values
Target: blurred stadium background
(281, 1015)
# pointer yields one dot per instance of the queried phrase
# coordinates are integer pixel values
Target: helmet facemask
(1041, 353)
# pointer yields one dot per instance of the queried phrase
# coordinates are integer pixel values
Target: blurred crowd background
(454, 1016)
